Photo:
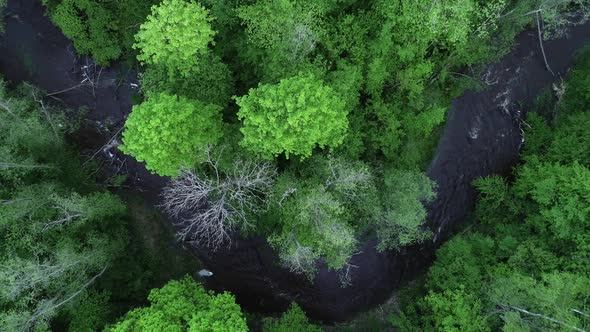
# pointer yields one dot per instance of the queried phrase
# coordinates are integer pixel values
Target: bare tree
(211, 208)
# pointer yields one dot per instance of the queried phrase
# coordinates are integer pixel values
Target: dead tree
(210, 208)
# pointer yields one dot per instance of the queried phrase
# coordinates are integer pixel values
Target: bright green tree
(292, 117)
(175, 35)
(167, 132)
(184, 305)
(292, 320)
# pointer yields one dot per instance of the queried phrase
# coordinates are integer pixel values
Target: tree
(318, 211)
(292, 117)
(555, 302)
(292, 320)
(91, 26)
(461, 263)
(176, 35)
(218, 205)
(287, 31)
(557, 198)
(456, 310)
(350, 182)
(184, 305)
(570, 139)
(58, 233)
(404, 212)
(167, 132)
(210, 83)
(577, 90)
(496, 204)
(313, 224)
(288, 27)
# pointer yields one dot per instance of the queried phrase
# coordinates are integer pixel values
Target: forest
(309, 131)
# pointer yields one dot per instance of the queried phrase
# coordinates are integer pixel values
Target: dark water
(482, 137)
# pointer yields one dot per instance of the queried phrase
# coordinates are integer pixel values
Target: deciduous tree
(292, 117)
(183, 305)
(168, 132)
(91, 26)
(404, 212)
(175, 35)
(292, 320)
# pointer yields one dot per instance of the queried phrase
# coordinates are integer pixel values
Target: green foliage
(577, 90)
(183, 305)
(455, 310)
(91, 26)
(571, 140)
(538, 137)
(404, 214)
(323, 216)
(496, 203)
(130, 14)
(292, 320)
(58, 233)
(167, 132)
(461, 263)
(292, 117)
(286, 30)
(522, 267)
(558, 197)
(555, 296)
(91, 313)
(313, 227)
(210, 83)
(175, 35)
(103, 29)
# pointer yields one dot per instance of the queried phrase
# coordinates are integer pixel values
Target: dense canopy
(305, 128)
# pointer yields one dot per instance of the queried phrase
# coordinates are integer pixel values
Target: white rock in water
(205, 273)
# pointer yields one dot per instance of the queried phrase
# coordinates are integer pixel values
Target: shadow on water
(482, 136)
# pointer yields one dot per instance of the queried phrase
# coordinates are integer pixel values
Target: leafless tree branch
(211, 208)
